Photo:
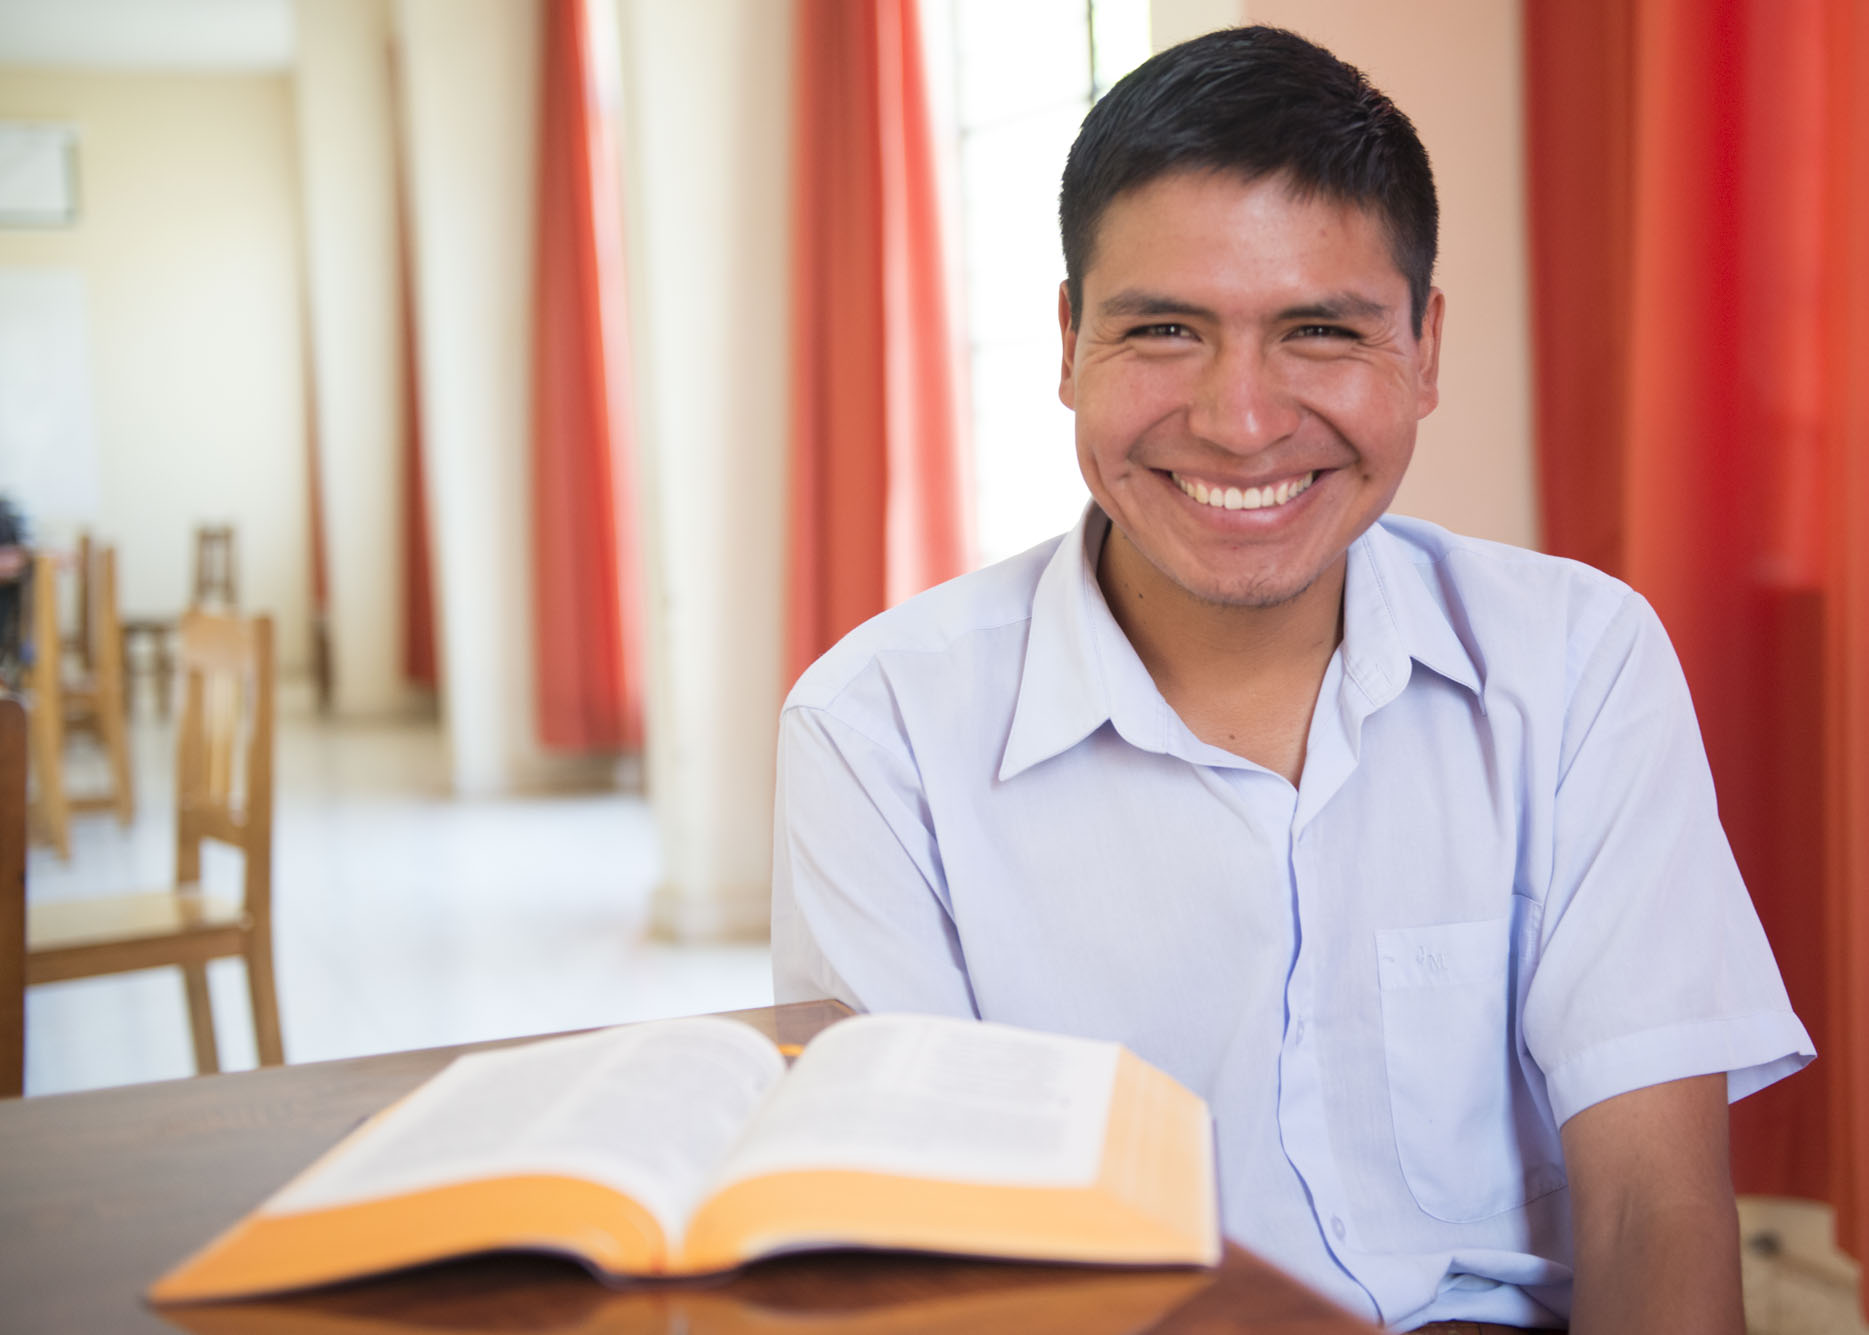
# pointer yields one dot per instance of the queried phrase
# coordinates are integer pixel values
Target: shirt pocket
(1453, 1069)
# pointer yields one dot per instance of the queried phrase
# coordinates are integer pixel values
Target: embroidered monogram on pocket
(1446, 1017)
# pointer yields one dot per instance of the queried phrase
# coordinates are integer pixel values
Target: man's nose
(1240, 402)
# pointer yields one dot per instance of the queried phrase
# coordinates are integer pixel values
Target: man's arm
(859, 908)
(1656, 1230)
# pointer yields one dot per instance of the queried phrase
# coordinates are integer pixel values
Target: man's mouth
(1245, 498)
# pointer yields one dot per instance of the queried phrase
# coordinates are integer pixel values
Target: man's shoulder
(1489, 565)
(950, 620)
(1490, 589)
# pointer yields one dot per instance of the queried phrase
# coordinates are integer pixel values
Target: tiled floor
(405, 918)
(1797, 1283)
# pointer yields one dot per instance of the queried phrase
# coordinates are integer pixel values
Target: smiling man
(1398, 847)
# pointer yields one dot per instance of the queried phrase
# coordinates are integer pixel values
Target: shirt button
(1297, 1032)
(1336, 1227)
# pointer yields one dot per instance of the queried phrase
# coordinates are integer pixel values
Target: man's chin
(1253, 596)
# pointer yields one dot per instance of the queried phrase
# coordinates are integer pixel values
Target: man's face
(1246, 380)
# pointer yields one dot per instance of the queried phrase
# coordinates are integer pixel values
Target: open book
(1034, 1300)
(685, 1147)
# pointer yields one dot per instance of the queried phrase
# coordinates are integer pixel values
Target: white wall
(1454, 67)
(347, 142)
(188, 246)
(707, 111)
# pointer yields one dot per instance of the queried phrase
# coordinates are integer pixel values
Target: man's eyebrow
(1338, 306)
(1133, 302)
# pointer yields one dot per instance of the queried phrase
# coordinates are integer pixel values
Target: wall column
(708, 110)
(470, 113)
(1172, 22)
(347, 165)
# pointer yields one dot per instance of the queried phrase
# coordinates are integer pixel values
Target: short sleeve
(1651, 964)
(859, 909)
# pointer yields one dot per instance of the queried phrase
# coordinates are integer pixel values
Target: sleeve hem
(1753, 1050)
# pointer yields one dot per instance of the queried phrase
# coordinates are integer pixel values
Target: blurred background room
(559, 377)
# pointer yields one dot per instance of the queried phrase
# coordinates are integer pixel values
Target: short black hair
(1256, 102)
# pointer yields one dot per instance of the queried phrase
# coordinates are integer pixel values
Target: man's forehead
(1282, 180)
(1153, 248)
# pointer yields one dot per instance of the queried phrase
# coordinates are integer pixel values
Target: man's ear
(1428, 355)
(1067, 386)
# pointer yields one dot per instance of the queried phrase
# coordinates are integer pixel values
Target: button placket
(1302, 1116)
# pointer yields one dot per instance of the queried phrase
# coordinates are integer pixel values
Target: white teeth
(1247, 498)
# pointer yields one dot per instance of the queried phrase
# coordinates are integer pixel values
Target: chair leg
(50, 812)
(117, 746)
(165, 675)
(201, 1019)
(265, 998)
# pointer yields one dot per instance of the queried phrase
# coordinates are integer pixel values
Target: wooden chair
(224, 791)
(156, 632)
(12, 897)
(50, 811)
(79, 642)
(95, 702)
(63, 704)
(216, 585)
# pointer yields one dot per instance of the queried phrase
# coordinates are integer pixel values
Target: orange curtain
(585, 580)
(878, 500)
(1700, 228)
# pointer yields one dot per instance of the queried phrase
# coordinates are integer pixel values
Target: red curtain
(586, 584)
(878, 500)
(1700, 227)
(419, 663)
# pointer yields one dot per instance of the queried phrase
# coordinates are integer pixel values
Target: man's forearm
(1663, 1269)
(1652, 1213)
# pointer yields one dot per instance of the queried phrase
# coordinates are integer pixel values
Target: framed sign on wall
(38, 174)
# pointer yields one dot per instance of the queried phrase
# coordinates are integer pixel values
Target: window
(1022, 76)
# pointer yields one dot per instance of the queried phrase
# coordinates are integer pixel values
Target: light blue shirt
(1500, 892)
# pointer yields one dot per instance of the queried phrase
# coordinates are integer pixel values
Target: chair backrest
(82, 641)
(12, 897)
(45, 685)
(216, 584)
(224, 748)
(105, 630)
(48, 649)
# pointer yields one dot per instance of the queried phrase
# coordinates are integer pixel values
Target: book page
(647, 1109)
(924, 1096)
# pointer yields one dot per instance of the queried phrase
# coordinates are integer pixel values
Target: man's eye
(1322, 331)
(1166, 330)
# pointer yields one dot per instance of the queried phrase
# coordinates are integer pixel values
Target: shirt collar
(1081, 671)
(1394, 615)
(1073, 650)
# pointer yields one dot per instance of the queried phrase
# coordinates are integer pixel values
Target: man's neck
(1242, 678)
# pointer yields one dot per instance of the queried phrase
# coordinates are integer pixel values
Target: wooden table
(102, 1192)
